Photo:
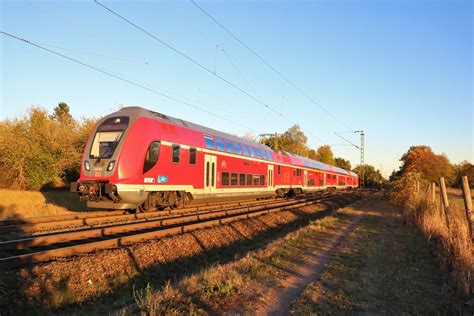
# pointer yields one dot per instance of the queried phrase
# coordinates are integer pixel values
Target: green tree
(465, 168)
(40, 148)
(293, 140)
(372, 176)
(325, 154)
(61, 114)
(342, 163)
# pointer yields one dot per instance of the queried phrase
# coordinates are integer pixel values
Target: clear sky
(400, 70)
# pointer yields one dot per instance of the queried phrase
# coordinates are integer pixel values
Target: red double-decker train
(140, 159)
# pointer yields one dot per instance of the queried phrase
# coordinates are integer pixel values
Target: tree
(41, 148)
(325, 155)
(372, 176)
(342, 163)
(431, 166)
(61, 114)
(465, 168)
(293, 141)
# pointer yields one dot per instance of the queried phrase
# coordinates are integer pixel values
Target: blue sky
(401, 70)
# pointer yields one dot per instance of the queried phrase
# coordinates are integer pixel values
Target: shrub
(39, 149)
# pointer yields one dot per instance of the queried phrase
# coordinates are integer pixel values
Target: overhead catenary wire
(271, 67)
(121, 78)
(194, 61)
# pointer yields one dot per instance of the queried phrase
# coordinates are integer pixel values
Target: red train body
(136, 158)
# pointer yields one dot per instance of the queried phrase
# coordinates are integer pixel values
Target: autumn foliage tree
(295, 141)
(39, 148)
(325, 155)
(431, 166)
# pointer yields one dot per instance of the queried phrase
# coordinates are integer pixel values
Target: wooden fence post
(444, 201)
(433, 192)
(467, 203)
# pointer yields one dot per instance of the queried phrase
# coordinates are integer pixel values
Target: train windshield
(107, 137)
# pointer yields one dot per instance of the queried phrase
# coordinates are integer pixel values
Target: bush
(40, 148)
(403, 192)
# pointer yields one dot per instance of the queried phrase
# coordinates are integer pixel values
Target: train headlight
(87, 166)
(111, 165)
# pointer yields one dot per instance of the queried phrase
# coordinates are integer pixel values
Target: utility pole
(362, 152)
(362, 156)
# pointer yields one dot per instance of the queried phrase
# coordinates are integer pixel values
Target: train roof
(292, 158)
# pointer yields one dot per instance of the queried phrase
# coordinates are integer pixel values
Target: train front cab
(100, 163)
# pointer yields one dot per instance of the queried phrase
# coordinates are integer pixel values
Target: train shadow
(61, 197)
(159, 274)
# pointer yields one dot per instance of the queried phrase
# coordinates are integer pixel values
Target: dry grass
(23, 204)
(455, 246)
(383, 267)
(449, 230)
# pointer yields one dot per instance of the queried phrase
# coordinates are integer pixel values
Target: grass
(383, 267)
(23, 204)
(454, 245)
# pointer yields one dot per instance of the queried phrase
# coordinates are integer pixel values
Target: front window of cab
(107, 137)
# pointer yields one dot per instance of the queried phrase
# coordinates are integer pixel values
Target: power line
(270, 66)
(146, 63)
(194, 61)
(121, 78)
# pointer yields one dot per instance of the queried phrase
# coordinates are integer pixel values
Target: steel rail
(122, 228)
(81, 215)
(115, 241)
(104, 217)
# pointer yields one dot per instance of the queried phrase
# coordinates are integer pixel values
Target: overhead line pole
(362, 152)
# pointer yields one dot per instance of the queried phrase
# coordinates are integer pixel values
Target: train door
(209, 174)
(305, 183)
(270, 177)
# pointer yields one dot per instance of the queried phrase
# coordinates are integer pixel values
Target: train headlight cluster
(87, 166)
(111, 165)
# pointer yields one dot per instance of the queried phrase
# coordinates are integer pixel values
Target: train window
(108, 136)
(152, 155)
(233, 178)
(279, 171)
(225, 178)
(311, 182)
(241, 179)
(175, 153)
(192, 156)
(256, 179)
(262, 180)
(269, 155)
(209, 142)
(228, 146)
(264, 154)
(252, 151)
(249, 179)
(220, 144)
(245, 150)
(207, 174)
(237, 149)
(259, 152)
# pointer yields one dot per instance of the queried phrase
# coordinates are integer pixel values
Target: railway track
(95, 218)
(18, 252)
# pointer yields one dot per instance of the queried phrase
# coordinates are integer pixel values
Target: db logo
(224, 164)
